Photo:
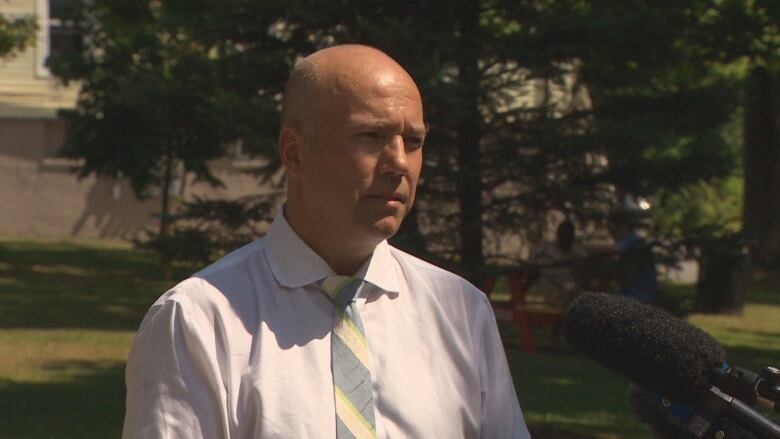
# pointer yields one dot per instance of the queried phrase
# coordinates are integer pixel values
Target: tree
(157, 92)
(745, 36)
(168, 87)
(617, 100)
(534, 106)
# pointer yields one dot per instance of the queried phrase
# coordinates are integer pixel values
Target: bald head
(351, 142)
(332, 73)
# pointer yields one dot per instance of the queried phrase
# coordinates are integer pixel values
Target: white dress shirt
(242, 350)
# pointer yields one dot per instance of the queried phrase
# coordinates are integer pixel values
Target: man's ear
(290, 144)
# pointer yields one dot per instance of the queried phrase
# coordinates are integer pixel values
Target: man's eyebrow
(369, 122)
(361, 123)
(421, 130)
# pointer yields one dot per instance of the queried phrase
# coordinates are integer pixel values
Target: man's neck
(341, 265)
(342, 256)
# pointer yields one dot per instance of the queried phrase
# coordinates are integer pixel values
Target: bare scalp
(335, 73)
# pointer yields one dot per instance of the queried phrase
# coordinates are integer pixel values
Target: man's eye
(371, 135)
(413, 142)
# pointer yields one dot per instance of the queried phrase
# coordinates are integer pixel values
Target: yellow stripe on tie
(352, 418)
(354, 341)
(348, 342)
(349, 323)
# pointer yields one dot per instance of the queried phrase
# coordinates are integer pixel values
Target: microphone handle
(722, 412)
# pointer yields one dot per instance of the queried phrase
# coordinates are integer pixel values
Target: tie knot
(341, 289)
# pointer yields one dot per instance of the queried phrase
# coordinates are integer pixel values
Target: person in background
(558, 264)
(635, 271)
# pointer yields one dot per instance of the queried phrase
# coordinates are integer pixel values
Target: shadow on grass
(764, 294)
(67, 285)
(542, 431)
(90, 405)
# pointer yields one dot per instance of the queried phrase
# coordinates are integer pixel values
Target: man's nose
(394, 157)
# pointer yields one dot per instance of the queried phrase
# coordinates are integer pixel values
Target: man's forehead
(368, 84)
(409, 121)
(391, 109)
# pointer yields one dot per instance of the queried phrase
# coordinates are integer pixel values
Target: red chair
(517, 311)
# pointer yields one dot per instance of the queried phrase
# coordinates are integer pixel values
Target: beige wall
(41, 197)
(27, 90)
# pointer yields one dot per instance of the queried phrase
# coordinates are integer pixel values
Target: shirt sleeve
(173, 383)
(501, 414)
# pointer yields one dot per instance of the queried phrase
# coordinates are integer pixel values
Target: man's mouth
(396, 197)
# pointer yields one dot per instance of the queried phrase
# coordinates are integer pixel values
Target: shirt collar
(381, 270)
(294, 264)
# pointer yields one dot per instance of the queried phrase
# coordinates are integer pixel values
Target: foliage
(735, 30)
(745, 36)
(715, 206)
(16, 34)
(154, 88)
(207, 229)
(168, 87)
(543, 106)
(534, 106)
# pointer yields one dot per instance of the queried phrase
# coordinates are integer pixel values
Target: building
(40, 195)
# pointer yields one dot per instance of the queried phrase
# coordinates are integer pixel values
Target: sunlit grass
(68, 313)
(45, 355)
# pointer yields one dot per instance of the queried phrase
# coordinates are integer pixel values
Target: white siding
(26, 91)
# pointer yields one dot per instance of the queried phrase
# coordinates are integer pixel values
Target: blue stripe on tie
(353, 379)
(342, 432)
(348, 293)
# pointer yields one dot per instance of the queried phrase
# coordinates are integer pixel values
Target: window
(56, 32)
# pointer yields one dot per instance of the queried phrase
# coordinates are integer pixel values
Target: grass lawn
(68, 313)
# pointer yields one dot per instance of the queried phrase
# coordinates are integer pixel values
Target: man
(559, 265)
(250, 346)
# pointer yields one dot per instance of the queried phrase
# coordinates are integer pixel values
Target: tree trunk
(723, 278)
(166, 263)
(469, 177)
(761, 210)
(165, 204)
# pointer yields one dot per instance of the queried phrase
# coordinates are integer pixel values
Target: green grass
(562, 392)
(68, 313)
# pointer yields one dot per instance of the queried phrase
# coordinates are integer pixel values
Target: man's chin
(386, 227)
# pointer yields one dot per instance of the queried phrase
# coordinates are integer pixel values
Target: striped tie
(350, 362)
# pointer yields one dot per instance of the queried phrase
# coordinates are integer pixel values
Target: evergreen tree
(533, 106)
(168, 84)
(546, 105)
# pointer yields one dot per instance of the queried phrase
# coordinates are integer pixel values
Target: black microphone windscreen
(645, 344)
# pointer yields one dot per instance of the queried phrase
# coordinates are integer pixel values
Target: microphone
(645, 344)
(675, 367)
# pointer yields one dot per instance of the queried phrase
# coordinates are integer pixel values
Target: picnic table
(518, 310)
